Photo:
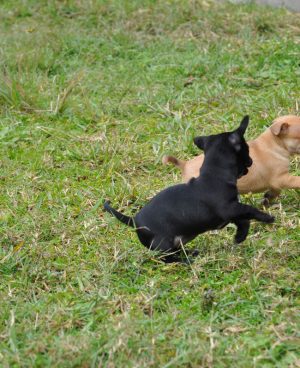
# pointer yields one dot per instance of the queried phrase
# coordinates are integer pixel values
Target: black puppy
(179, 213)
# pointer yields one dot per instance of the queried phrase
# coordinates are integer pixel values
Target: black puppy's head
(233, 141)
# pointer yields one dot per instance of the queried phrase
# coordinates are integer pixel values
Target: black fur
(179, 213)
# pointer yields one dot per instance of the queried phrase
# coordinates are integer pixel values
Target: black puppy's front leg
(242, 230)
(246, 212)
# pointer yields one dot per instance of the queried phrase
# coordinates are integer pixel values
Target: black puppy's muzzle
(244, 172)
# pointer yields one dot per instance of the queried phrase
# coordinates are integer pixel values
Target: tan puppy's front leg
(269, 196)
(289, 182)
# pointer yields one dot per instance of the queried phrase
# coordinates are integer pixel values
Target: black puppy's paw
(239, 238)
(192, 253)
(268, 219)
(195, 253)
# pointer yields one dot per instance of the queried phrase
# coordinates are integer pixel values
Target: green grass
(92, 94)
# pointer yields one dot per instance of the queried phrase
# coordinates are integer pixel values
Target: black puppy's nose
(250, 162)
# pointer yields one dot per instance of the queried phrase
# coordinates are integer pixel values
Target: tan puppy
(270, 153)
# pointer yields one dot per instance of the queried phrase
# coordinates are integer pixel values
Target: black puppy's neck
(223, 165)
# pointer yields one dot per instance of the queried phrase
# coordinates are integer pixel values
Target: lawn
(92, 95)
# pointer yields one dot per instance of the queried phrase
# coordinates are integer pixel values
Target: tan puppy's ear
(279, 127)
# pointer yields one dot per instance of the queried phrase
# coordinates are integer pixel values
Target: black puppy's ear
(243, 126)
(200, 142)
(235, 141)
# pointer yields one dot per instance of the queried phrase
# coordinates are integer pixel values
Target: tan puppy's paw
(269, 197)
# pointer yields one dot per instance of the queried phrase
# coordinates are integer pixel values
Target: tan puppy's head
(287, 128)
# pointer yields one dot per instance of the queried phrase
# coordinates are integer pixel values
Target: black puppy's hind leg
(242, 230)
(166, 246)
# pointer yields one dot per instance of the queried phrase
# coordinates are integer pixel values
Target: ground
(92, 94)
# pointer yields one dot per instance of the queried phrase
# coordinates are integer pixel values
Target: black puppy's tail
(123, 218)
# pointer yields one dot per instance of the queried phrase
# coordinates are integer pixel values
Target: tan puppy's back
(189, 169)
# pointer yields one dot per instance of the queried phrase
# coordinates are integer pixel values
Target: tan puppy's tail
(173, 160)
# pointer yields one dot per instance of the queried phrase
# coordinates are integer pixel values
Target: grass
(92, 94)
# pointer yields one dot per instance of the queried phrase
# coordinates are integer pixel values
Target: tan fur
(270, 153)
